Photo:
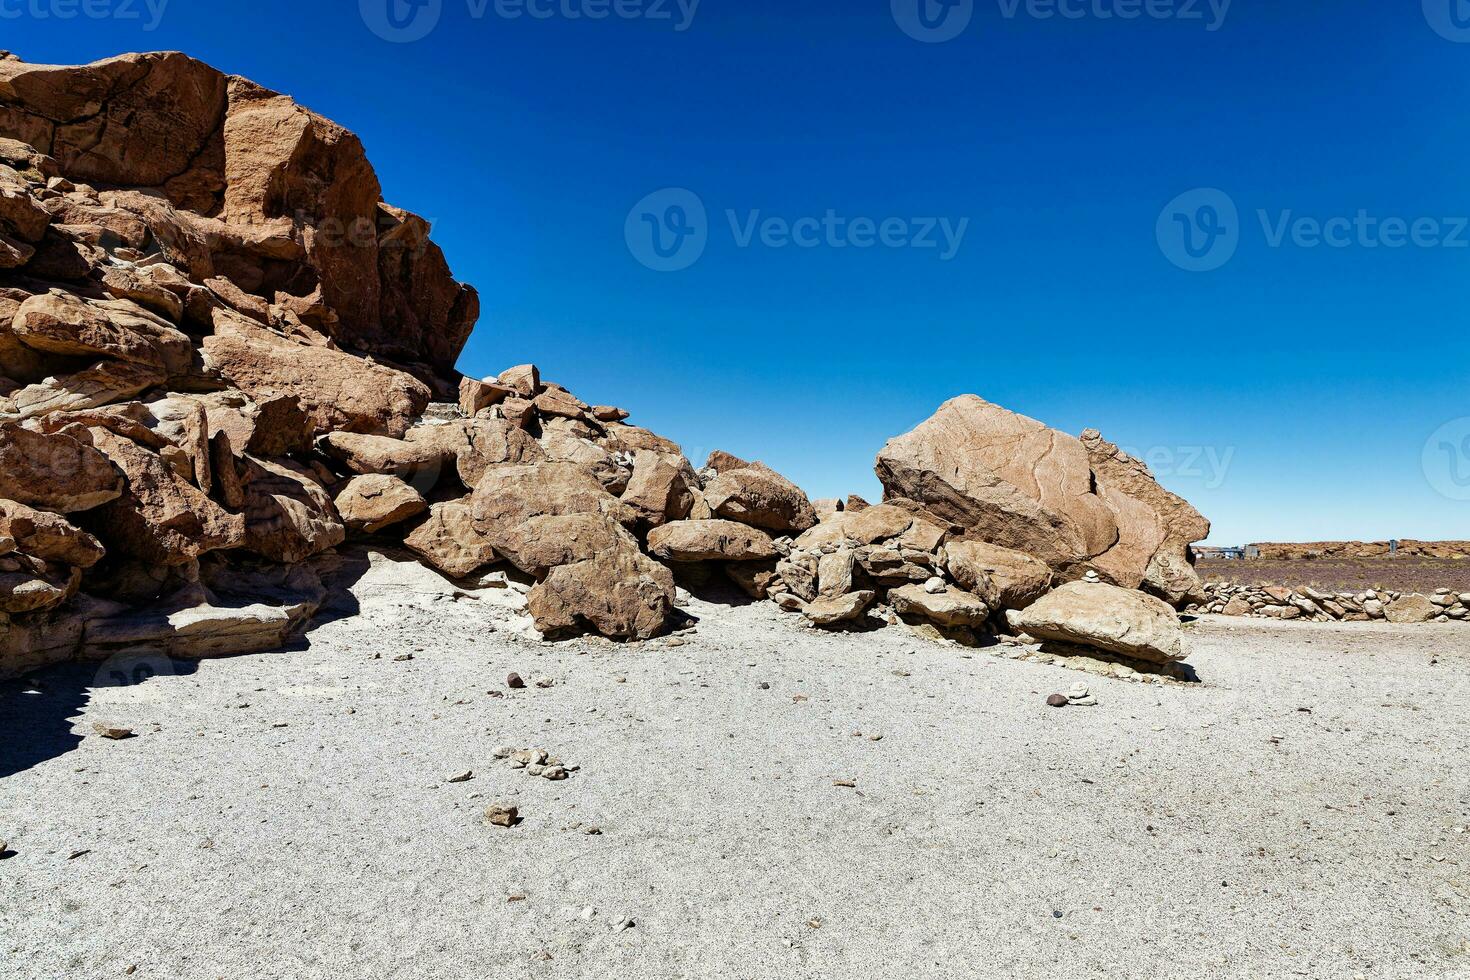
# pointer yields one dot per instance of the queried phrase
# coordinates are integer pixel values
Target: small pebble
(1058, 700)
(114, 732)
(514, 682)
(463, 777)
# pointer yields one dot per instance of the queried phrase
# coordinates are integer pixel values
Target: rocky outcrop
(222, 356)
(1076, 504)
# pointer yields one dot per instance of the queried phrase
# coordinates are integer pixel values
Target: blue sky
(1299, 389)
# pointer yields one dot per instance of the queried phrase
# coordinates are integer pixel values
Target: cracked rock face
(1075, 504)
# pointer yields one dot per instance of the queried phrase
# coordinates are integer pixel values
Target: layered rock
(1074, 504)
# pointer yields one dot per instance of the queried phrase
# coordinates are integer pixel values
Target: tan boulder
(619, 438)
(100, 384)
(1007, 579)
(952, 607)
(375, 501)
(1006, 478)
(835, 574)
(58, 322)
(716, 540)
(558, 403)
(449, 541)
(519, 412)
(621, 594)
(288, 515)
(544, 543)
(508, 496)
(340, 392)
(523, 379)
(476, 396)
(1106, 617)
(661, 488)
(46, 536)
(1155, 527)
(477, 444)
(55, 472)
(274, 425)
(608, 413)
(1411, 609)
(838, 610)
(757, 495)
(162, 517)
(416, 462)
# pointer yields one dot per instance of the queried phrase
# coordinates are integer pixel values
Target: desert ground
(1300, 812)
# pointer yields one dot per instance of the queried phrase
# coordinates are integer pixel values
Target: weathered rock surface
(621, 594)
(449, 541)
(1011, 579)
(1109, 618)
(712, 540)
(376, 501)
(755, 494)
(952, 607)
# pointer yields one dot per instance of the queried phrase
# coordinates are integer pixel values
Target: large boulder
(449, 541)
(508, 496)
(477, 444)
(47, 536)
(755, 494)
(622, 594)
(1013, 579)
(952, 607)
(1006, 478)
(1411, 609)
(1155, 527)
(661, 488)
(544, 543)
(162, 517)
(376, 501)
(1106, 617)
(55, 471)
(712, 540)
(338, 391)
(1075, 504)
(416, 462)
(288, 515)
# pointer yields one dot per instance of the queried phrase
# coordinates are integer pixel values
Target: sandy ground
(1300, 813)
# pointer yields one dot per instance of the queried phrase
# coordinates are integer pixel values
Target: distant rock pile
(1280, 602)
(1321, 550)
(222, 356)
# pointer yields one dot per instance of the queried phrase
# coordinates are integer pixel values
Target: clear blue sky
(1290, 393)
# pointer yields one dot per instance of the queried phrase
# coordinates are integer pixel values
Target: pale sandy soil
(289, 814)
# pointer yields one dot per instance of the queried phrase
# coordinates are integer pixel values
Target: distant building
(1220, 553)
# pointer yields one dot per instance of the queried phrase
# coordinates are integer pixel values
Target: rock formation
(1075, 504)
(222, 356)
